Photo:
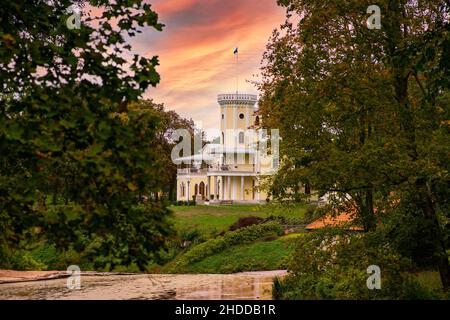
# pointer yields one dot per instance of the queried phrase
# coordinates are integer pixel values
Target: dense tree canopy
(75, 161)
(364, 113)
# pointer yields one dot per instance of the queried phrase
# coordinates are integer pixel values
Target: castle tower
(236, 117)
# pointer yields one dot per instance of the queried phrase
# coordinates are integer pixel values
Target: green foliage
(185, 203)
(413, 290)
(20, 260)
(364, 114)
(78, 156)
(130, 236)
(212, 220)
(332, 264)
(260, 255)
(402, 226)
(213, 246)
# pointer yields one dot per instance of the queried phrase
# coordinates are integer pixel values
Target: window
(307, 189)
(241, 116)
(182, 190)
(257, 121)
(241, 137)
(223, 116)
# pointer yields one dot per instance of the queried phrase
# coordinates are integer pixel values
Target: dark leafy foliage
(75, 161)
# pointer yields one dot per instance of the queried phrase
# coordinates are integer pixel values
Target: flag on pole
(236, 51)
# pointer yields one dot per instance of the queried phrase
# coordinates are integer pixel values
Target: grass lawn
(208, 219)
(260, 255)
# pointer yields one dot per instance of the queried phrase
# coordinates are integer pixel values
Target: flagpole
(237, 70)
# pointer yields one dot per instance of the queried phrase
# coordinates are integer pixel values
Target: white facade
(228, 172)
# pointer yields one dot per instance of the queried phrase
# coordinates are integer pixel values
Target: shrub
(413, 290)
(111, 237)
(22, 260)
(210, 247)
(332, 264)
(246, 222)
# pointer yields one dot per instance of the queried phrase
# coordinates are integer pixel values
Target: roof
(334, 221)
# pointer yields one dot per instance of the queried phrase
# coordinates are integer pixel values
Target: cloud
(195, 51)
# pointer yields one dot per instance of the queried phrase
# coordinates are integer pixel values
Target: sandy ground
(52, 285)
(17, 276)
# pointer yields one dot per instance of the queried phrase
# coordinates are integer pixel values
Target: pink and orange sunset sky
(195, 50)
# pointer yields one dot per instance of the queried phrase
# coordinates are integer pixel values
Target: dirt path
(50, 285)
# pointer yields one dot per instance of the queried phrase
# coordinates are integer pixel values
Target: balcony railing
(187, 171)
(218, 168)
(248, 99)
(233, 168)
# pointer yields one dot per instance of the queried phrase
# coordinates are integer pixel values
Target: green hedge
(232, 238)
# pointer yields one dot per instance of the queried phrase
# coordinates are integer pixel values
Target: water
(240, 286)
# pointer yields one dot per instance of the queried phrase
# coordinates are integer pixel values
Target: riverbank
(109, 286)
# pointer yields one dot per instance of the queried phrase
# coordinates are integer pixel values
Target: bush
(403, 226)
(332, 264)
(246, 222)
(21, 260)
(111, 238)
(210, 247)
(180, 203)
(412, 290)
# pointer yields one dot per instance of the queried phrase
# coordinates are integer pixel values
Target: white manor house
(229, 172)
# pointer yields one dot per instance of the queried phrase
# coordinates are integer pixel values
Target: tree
(362, 112)
(65, 123)
(170, 121)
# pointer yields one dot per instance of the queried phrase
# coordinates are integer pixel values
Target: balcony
(242, 99)
(225, 168)
(233, 168)
(191, 171)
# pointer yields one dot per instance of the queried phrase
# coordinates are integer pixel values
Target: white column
(234, 127)
(188, 187)
(258, 195)
(216, 191)
(242, 188)
(247, 119)
(229, 188)
(234, 179)
(225, 111)
(235, 117)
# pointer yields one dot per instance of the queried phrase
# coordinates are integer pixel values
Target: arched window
(257, 121)
(196, 189)
(202, 189)
(183, 189)
(223, 138)
(241, 137)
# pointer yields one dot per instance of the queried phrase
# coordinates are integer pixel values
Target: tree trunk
(367, 211)
(440, 250)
